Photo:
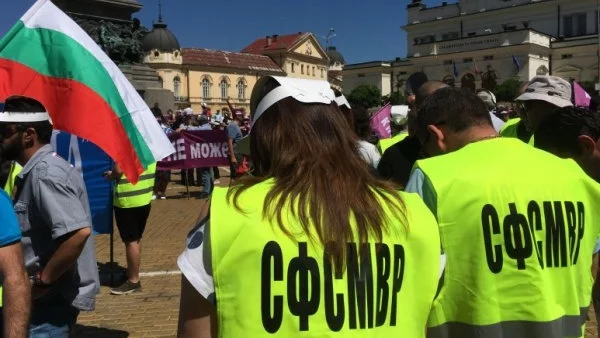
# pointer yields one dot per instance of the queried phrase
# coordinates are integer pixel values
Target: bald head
(427, 89)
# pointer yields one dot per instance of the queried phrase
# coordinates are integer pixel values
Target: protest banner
(380, 122)
(91, 162)
(197, 149)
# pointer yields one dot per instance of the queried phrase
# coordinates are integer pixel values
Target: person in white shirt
(363, 131)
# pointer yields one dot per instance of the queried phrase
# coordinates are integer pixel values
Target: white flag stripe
(44, 14)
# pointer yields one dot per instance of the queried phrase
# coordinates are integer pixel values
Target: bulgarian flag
(48, 57)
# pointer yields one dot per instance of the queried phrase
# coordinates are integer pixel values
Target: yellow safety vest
(9, 187)
(267, 285)
(510, 130)
(127, 195)
(518, 226)
(385, 143)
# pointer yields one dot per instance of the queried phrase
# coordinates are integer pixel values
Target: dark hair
(317, 169)
(362, 123)
(559, 131)
(457, 109)
(22, 104)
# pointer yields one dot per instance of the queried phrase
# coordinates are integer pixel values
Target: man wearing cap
(52, 207)
(541, 97)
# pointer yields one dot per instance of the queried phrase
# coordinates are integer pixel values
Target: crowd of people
(236, 124)
(469, 224)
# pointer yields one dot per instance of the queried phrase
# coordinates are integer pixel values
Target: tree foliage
(365, 95)
(507, 91)
(395, 98)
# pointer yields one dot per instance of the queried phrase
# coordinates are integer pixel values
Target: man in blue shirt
(16, 288)
(234, 134)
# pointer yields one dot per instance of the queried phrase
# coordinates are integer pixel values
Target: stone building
(198, 76)
(482, 43)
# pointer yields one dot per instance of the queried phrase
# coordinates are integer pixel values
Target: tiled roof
(219, 58)
(277, 43)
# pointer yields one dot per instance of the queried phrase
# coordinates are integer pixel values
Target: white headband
(305, 91)
(342, 101)
(24, 117)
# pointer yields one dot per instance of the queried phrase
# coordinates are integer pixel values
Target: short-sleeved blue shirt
(234, 132)
(10, 231)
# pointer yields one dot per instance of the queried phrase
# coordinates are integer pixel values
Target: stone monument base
(147, 82)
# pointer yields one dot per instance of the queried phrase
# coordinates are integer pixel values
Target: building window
(424, 39)
(162, 84)
(448, 62)
(361, 75)
(488, 57)
(313, 71)
(566, 56)
(450, 36)
(293, 67)
(574, 25)
(205, 88)
(467, 60)
(224, 86)
(301, 69)
(472, 34)
(321, 72)
(177, 86)
(241, 88)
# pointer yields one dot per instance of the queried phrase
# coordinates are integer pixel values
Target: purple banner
(197, 149)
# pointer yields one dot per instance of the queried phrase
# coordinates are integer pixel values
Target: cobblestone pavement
(154, 311)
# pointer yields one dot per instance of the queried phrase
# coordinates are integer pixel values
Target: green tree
(396, 98)
(507, 91)
(365, 95)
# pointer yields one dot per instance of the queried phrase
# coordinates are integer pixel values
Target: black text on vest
(551, 230)
(371, 292)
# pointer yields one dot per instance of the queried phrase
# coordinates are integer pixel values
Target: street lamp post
(331, 35)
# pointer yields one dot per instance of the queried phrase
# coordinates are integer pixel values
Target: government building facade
(199, 76)
(482, 43)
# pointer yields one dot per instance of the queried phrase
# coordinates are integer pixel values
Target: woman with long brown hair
(312, 244)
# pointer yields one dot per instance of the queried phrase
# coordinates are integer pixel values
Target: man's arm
(230, 144)
(230, 106)
(16, 295)
(59, 201)
(197, 316)
(69, 248)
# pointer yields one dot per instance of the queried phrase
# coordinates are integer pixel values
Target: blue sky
(366, 30)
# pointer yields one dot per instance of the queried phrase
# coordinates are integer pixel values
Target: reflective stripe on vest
(268, 285)
(566, 326)
(128, 195)
(530, 241)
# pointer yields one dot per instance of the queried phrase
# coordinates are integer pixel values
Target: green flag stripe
(55, 54)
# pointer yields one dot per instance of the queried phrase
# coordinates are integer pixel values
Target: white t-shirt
(369, 153)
